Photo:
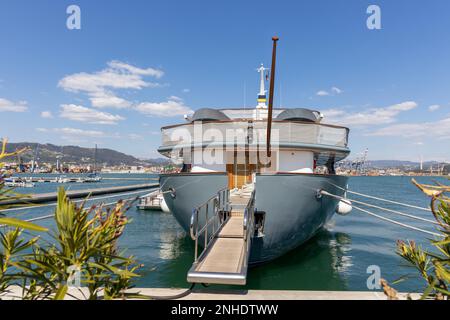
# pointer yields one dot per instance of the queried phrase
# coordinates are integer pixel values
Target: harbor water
(340, 257)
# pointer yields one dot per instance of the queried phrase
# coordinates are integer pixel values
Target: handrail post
(196, 235)
(220, 203)
(206, 224)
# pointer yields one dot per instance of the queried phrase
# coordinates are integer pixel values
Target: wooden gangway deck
(225, 259)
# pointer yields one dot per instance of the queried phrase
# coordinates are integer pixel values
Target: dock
(76, 194)
(81, 179)
(198, 294)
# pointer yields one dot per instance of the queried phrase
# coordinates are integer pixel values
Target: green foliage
(13, 248)
(7, 194)
(434, 267)
(12, 222)
(82, 252)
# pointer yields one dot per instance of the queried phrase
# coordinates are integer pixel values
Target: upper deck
(237, 128)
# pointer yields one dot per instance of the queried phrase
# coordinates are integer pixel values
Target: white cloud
(374, 116)
(175, 98)
(99, 85)
(10, 106)
(135, 136)
(336, 90)
(46, 115)
(434, 107)
(74, 132)
(135, 70)
(432, 130)
(186, 90)
(322, 93)
(332, 91)
(83, 114)
(171, 108)
(107, 99)
(80, 132)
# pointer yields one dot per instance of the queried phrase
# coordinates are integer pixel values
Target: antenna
(245, 95)
(262, 91)
(281, 97)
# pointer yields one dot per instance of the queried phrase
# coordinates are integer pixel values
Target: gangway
(226, 236)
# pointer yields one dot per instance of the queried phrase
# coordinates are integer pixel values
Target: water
(335, 259)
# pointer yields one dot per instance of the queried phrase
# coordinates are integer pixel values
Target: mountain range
(381, 164)
(50, 153)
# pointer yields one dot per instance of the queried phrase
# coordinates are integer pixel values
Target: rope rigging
(384, 209)
(381, 199)
(325, 193)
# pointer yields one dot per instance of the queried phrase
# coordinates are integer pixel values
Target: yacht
(249, 189)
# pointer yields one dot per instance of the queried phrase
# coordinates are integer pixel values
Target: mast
(95, 159)
(33, 167)
(271, 90)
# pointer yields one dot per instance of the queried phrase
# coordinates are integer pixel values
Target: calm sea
(335, 259)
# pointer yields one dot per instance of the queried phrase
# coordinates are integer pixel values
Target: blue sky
(138, 65)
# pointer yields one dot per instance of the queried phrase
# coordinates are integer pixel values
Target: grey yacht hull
(293, 213)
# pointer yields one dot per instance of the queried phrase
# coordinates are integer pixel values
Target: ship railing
(218, 206)
(289, 133)
(249, 219)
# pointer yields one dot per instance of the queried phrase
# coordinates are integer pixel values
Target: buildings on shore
(30, 167)
(14, 167)
(396, 171)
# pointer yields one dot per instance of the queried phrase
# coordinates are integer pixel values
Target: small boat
(10, 179)
(21, 184)
(63, 179)
(153, 201)
(93, 177)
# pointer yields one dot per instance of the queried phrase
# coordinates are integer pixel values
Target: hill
(78, 155)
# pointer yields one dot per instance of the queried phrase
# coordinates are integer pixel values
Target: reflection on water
(319, 264)
(315, 265)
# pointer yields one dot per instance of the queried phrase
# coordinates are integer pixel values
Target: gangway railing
(226, 250)
(220, 209)
(249, 227)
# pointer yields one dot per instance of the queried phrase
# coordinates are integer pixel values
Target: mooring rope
(52, 215)
(381, 199)
(390, 201)
(383, 218)
(76, 201)
(174, 297)
(398, 223)
(384, 209)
